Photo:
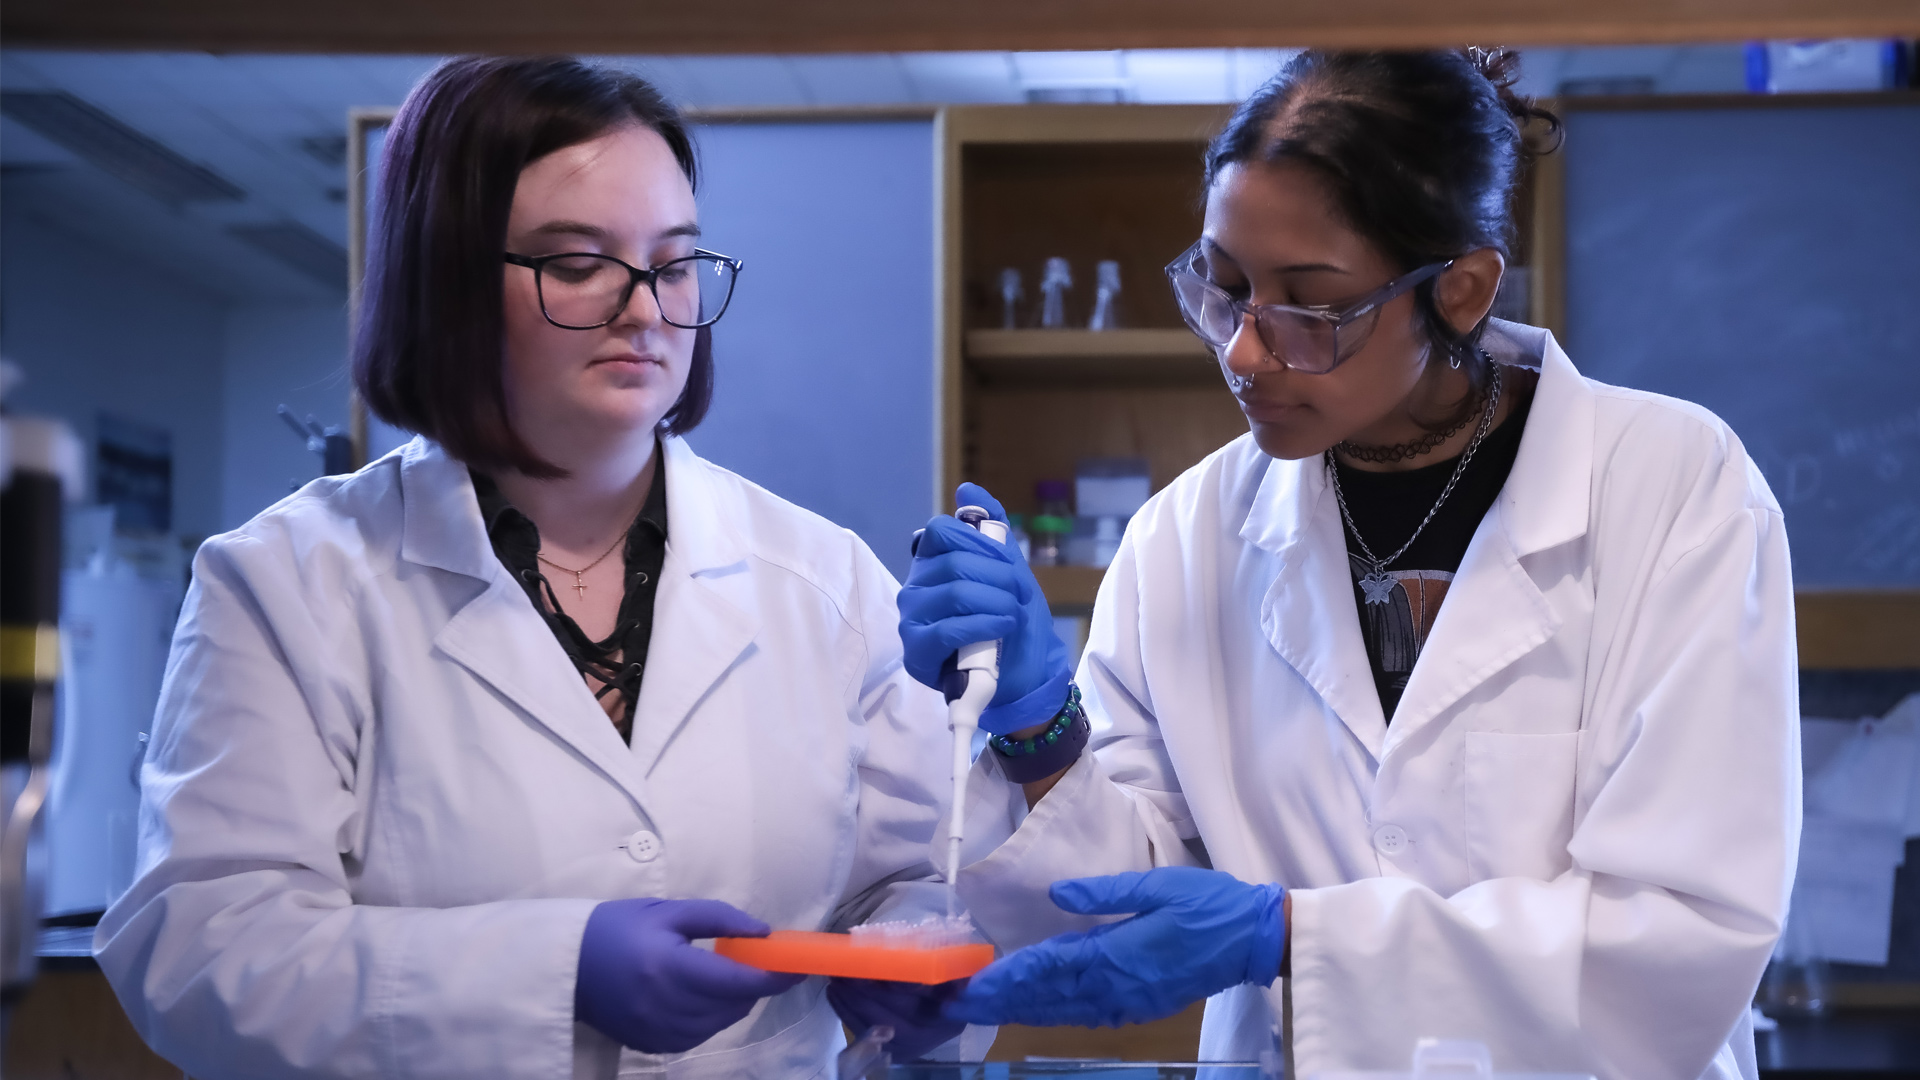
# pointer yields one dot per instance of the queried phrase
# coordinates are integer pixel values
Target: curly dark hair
(1420, 152)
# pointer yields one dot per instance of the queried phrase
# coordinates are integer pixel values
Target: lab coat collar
(698, 505)
(705, 615)
(1495, 613)
(442, 528)
(440, 516)
(497, 635)
(704, 618)
(1308, 612)
(1547, 495)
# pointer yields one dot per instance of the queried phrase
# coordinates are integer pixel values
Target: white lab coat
(380, 801)
(1576, 839)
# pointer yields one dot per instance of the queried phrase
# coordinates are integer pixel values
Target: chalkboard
(1765, 263)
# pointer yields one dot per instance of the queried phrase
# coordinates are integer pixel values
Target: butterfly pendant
(1377, 586)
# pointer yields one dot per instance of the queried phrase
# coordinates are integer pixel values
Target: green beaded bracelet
(1062, 721)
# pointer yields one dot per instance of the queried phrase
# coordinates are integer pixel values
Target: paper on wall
(1861, 803)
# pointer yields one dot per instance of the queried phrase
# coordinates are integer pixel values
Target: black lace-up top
(619, 660)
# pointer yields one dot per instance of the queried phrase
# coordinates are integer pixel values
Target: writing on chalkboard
(1759, 262)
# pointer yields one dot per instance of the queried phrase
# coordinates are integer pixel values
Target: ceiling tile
(390, 78)
(1173, 76)
(857, 79)
(1540, 71)
(1066, 68)
(748, 81)
(671, 75)
(1707, 69)
(962, 77)
(1251, 68)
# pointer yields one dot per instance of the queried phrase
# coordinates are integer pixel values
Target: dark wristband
(1024, 761)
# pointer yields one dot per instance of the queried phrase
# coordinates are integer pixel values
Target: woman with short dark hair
(458, 754)
(1455, 699)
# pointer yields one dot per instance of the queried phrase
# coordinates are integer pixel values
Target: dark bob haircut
(428, 352)
(1419, 151)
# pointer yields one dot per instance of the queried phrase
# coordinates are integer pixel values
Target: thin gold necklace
(579, 586)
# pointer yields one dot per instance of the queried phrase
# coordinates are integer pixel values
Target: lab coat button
(643, 846)
(1389, 839)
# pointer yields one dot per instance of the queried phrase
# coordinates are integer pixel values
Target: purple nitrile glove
(643, 984)
(912, 1010)
(963, 588)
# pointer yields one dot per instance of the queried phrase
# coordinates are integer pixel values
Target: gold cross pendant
(579, 589)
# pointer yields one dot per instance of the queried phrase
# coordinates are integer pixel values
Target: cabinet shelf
(1069, 588)
(1127, 354)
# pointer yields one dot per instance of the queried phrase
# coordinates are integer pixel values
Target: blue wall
(1762, 262)
(277, 354)
(825, 360)
(97, 330)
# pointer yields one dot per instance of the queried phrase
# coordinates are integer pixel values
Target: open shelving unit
(1021, 184)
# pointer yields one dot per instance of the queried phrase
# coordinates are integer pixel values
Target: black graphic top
(619, 661)
(1387, 507)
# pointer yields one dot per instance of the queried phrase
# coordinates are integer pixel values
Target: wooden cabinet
(1023, 184)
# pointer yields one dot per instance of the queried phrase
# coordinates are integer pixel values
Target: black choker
(1422, 445)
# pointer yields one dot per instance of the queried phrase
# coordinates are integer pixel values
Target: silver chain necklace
(1376, 584)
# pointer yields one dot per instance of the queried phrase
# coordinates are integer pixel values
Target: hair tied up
(1501, 67)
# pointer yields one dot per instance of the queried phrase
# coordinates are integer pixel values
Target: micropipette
(976, 676)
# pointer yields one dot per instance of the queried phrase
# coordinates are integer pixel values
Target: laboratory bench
(1863, 1043)
(81, 1031)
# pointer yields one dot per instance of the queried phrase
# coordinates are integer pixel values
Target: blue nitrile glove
(1197, 933)
(965, 588)
(912, 1010)
(643, 985)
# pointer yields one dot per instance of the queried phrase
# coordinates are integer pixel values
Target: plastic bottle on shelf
(1017, 535)
(1053, 292)
(1106, 300)
(1106, 541)
(1013, 293)
(1049, 528)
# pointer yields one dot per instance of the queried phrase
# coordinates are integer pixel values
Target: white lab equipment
(1053, 294)
(116, 624)
(1107, 493)
(1862, 804)
(1787, 67)
(1111, 487)
(41, 469)
(978, 670)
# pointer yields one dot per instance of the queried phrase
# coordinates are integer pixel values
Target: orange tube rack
(808, 952)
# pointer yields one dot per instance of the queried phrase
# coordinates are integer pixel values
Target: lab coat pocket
(1519, 803)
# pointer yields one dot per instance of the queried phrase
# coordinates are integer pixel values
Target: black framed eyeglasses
(584, 291)
(1314, 339)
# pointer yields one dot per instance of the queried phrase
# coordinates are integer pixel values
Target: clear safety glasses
(1314, 340)
(584, 291)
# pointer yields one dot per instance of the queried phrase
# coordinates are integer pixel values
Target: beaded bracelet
(1026, 760)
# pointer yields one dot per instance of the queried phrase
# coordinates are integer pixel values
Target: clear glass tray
(1083, 1070)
